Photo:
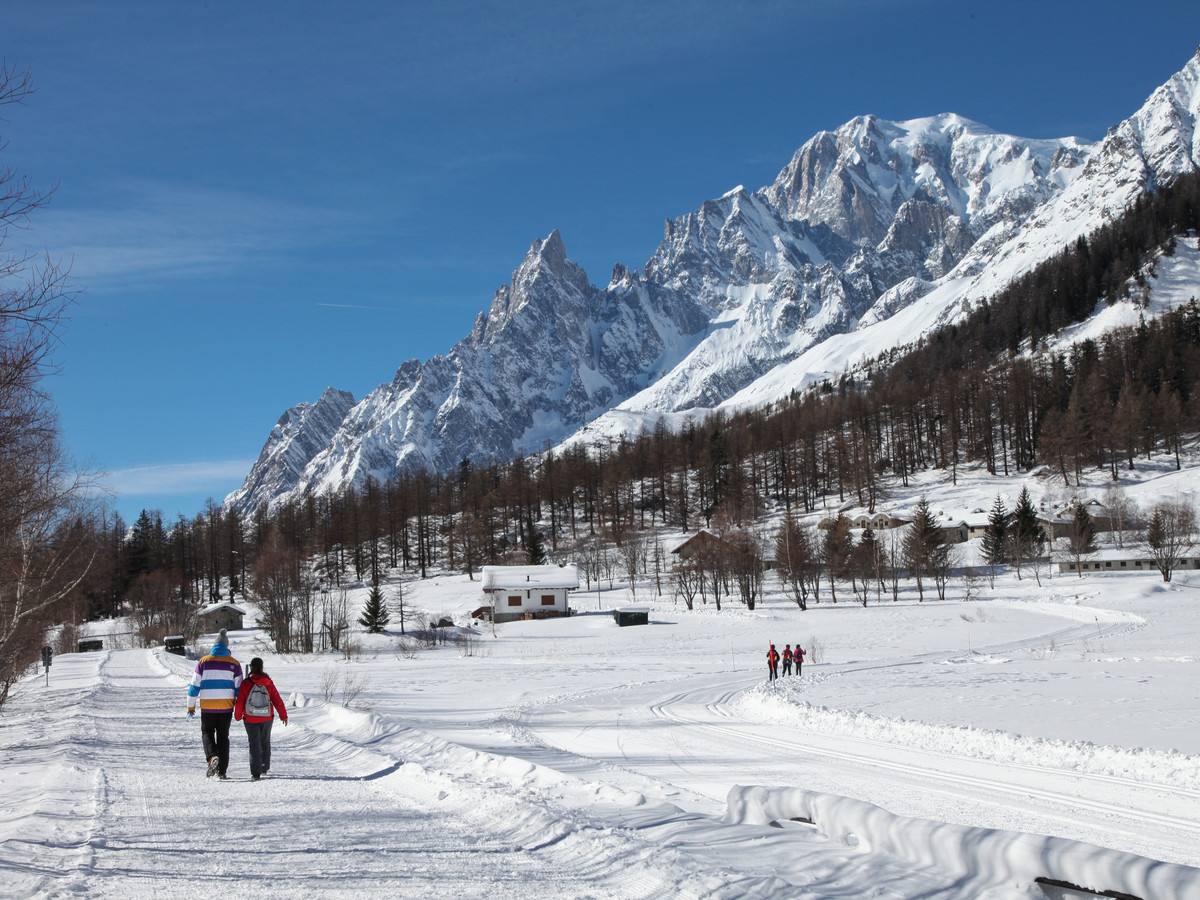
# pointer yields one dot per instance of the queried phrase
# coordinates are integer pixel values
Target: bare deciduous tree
(44, 553)
(688, 579)
(796, 560)
(746, 565)
(274, 586)
(1171, 534)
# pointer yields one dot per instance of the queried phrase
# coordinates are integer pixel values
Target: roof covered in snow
(529, 577)
(224, 604)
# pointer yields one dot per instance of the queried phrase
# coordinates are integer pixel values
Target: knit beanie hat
(223, 637)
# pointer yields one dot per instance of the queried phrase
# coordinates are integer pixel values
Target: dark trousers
(259, 735)
(214, 730)
(787, 667)
(774, 672)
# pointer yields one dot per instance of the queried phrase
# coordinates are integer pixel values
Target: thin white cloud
(146, 231)
(178, 478)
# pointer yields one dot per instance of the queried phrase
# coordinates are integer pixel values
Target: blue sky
(262, 199)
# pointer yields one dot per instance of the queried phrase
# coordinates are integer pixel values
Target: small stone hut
(220, 615)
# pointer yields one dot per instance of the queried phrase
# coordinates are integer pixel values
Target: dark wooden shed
(631, 615)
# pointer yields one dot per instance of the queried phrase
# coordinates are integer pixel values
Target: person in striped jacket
(215, 684)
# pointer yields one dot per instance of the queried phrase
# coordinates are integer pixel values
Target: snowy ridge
(870, 236)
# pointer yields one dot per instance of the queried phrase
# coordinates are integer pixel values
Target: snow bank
(981, 858)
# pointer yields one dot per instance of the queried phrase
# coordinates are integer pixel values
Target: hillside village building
(954, 529)
(529, 592)
(702, 542)
(1127, 560)
(221, 615)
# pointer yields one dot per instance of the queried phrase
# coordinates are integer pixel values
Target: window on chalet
(514, 601)
(547, 599)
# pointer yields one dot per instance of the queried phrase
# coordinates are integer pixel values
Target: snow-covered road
(114, 802)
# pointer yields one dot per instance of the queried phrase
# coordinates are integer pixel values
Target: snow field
(955, 750)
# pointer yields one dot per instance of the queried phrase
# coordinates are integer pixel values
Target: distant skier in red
(773, 663)
(787, 659)
(798, 656)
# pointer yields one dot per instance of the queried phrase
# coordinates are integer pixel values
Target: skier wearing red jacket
(257, 702)
(787, 659)
(772, 663)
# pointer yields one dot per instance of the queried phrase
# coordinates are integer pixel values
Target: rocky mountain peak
(861, 223)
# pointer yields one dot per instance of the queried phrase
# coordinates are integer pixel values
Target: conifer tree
(1026, 537)
(375, 613)
(835, 551)
(995, 536)
(535, 550)
(920, 544)
(1081, 535)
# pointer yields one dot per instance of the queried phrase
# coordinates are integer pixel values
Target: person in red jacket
(259, 713)
(772, 663)
(787, 659)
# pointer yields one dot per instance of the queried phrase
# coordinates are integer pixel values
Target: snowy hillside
(956, 750)
(751, 295)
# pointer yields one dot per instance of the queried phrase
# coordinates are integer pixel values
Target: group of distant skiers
(225, 695)
(789, 656)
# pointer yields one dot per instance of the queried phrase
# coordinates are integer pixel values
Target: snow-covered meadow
(946, 749)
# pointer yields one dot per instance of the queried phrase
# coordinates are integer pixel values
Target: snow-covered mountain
(870, 235)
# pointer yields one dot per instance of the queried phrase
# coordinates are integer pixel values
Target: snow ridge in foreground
(980, 858)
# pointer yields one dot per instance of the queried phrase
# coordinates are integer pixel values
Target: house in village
(529, 592)
(861, 518)
(954, 529)
(1058, 520)
(699, 544)
(1110, 559)
(977, 521)
(220, 615)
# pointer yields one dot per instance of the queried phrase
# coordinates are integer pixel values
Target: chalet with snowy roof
(861, 518)
(954, 530)
(1059, 519)
(977, 522)
(221, 615)
(879, 521)
(698, 543)
(529, 592)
